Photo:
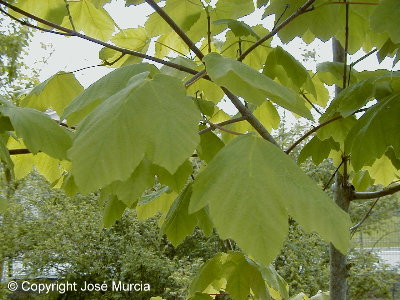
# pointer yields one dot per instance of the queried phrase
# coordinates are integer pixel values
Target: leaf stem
(216, 126)
(245, 112)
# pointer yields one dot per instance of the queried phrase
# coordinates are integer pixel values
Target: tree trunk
(341, 196)
(338, 261)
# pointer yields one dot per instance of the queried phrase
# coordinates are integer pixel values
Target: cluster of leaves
(139, 125)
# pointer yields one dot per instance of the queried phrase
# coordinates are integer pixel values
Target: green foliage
(138, 127)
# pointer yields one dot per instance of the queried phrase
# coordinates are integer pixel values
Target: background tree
(249, 185)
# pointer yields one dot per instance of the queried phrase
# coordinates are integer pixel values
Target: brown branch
(312, 104)
(176, 28)
(216, 126)
(19, 151)
(354, 228)
(372, 195)
(196, 77)
(91, 39)
(307, 134)
(245, 112)
(208, 30)
(333, 175)
(303, 9)
(363, 57)
(224, 123)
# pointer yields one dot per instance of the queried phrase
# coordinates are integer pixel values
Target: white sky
(70, 54)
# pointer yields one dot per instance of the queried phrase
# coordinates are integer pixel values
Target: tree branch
(245, 112)
(224, 123)
(19, 151)
(216, 126)
(372, 195)
(176, 28)
(303, 9)
(99, 42)
(307, 134)
(354, 228)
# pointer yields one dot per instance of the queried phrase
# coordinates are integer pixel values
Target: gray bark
(342, 196)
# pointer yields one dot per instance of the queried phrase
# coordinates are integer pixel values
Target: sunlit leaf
(55, 93)
(139, 121)
(251, 85)
(259, 198)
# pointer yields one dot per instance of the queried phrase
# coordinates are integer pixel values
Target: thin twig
(91, 39)
(223, 129)
(281, 16)
(176, 28)
(196, 77)
(208, 30)
(353, 3)
(312, 104)
(354, 228)
(224, 123)
(364, 57)
(308, 133)
(166, 46)
(303, 9)
(245, 112)
(333, 176)
(69, 15)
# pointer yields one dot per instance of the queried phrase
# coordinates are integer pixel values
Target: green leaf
(331, 73)
(233, 9)
(141, 179)
(318, 150)
(357, 95)
(113, 211)
(132, 38)
(239, 28)
(4, 153)
(201, 296)
(290, 72)
(94, 21)
(177, 180)
(382, 171)
(39, 132)
(337, 130)
(139, 121)
(102, 89)
(154, 203)
(388, 49)
(209, 146)
(53, 11)
(382, 19)
(242, 277)
(180, 61)
(259, 198)
(55, 93)
(362, 181)
(251, 85)
(179, 223)
(374, 132)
